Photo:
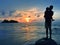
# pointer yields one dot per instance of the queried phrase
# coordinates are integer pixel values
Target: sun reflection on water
(29, 28)
(29, 34)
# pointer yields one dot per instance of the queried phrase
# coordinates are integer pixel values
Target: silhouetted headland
(45, 41)
(11, 21)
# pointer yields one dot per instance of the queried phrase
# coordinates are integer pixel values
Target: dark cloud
(18, 15)
(11, 12)
(37, 14)
(3, 13)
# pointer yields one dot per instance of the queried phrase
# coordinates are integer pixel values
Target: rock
(45, 41)
(11, 21)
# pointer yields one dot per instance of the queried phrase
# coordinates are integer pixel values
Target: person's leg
(50, 30)
(47, 33)
(46, 27)
(50, 33)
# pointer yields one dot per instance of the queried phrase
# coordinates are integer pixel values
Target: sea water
(24, 34)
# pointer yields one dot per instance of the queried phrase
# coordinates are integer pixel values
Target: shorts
(47, 23)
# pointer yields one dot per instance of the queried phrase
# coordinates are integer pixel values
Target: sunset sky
(27, 10)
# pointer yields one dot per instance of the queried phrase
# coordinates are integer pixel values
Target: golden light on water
(29, 29)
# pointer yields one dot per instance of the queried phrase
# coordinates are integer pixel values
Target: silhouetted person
(48, 20)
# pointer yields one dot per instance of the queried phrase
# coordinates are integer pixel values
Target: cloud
(11, 12)
(33, 14)
(2, 12)
(17, 13)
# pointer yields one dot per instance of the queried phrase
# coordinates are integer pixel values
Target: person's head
(47, 9)
(51, 7)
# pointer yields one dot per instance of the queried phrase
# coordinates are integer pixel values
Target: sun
(27, 19)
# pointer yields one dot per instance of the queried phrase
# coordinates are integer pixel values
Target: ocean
(24, 34)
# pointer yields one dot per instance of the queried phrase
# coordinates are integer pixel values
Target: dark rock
(11, 21)
(45, 41)
(5, 21)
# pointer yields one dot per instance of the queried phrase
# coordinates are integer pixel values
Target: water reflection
(17, 34)
(29, 28)
(32, 32)
(29, 32)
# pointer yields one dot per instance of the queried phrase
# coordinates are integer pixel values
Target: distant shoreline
(11, 21)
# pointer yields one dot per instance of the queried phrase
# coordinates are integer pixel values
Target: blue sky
(11, 5)
(25, 4)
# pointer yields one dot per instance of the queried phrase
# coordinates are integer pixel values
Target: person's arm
(44, 14)
(52, 13)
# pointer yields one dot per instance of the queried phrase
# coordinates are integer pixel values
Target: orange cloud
(27, 15)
